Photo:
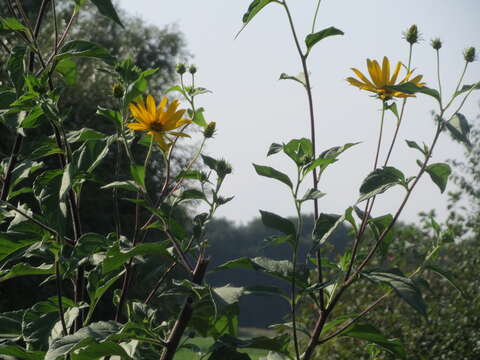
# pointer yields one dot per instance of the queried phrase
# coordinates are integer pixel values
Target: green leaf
(92, 335)
(404, 287)
(380, 180)
(16, 67)
(253, 9)
(439, 173)
(107, 9)
(199, 118)
(466, 88)
(312, 194)
(412, 88)
(68, 69)
(449, 276)
(281, 269)
(24, 269)
(414, 145)
(325, 226)
(138, 174)
(272, 173)
(81, 48)
(96, 287)
(111, 115)
(84, 134)
(116, 257)
(18, 352)
(372, 334)
(314, 38)
(278, 223)
(327, 157)
(124, 185)
(192, 194)
(65, 186)
(459, 129)
(274, 148)
(299, 150)
(13, 24)
(300, 78)
(33, 118)
(11, 325)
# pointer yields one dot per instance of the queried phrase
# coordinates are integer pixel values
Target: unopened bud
(210, 129)
(181, 69)
(118, 90)
(223, 168)
(412, 35)
(470, 54)
(436, 43)
(192, 69)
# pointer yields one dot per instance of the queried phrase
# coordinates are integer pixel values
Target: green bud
(210, 129)
(192, 69)
(223, 168)
(181, 69)
(470, 54)
(436, 43)
(411, 35)
(118, 90)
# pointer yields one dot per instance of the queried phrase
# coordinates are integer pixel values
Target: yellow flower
(159, 120)
(381, 80)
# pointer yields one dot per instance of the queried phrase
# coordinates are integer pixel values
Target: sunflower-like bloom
(159, 120)
(381, 80)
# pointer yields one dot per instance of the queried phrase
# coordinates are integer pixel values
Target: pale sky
(253, 109)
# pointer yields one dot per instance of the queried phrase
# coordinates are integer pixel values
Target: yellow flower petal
(385, 71)
(151, 107)
(362, 77)
(174, 133)
(137, 126)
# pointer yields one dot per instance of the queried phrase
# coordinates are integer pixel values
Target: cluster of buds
(118, 90)
(182, 69)
(223, 168)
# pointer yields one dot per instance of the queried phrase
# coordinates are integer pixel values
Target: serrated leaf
(107, 9)
(13, 24)
(314, 38)
(272, 173)
(380, 180)
(24, 269)
(278, 223)
(439, 173)
(299, 150)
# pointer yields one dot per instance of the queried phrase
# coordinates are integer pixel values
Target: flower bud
(118, 90)
(210, 129)
(412, 35)
(470, 54)
(181, 69)
(192, 69)
(436, 43)
(223, 168)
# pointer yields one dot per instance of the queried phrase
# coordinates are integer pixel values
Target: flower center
(156, 126)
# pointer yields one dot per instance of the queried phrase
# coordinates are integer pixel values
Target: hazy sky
(253, 109)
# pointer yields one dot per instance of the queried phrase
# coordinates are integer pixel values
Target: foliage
(136, 287)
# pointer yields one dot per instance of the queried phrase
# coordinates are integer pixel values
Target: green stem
(315, 16)
(438, 77)
(380, 135)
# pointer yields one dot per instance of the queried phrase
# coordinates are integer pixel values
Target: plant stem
(379, 137)
(185, 314)
(315, 16)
